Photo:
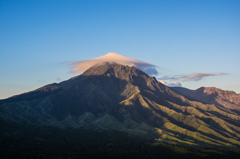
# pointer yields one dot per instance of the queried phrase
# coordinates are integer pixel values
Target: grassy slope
(195, 124)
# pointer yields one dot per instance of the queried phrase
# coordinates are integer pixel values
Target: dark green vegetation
(28, 141)
(117, 98)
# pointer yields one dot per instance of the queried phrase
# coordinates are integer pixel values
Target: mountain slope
(115, 97)
(212, 95)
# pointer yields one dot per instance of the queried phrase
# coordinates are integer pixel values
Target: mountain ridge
(116, 97)
(213, 95)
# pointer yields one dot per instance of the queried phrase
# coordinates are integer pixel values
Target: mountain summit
(114, 69)
(117, 97)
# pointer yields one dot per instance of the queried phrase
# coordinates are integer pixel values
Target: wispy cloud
(171, 84)
(199, 76)
(81, 66)
(192, 76)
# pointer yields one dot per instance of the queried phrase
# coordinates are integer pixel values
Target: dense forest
(28, 141)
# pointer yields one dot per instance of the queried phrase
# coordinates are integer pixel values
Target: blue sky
(40, 38)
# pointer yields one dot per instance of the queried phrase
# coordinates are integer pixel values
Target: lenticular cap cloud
(81, 66)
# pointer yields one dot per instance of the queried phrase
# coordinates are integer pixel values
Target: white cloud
(171, 84)
(81, 66)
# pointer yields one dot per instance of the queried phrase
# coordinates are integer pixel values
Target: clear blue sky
(39, 38)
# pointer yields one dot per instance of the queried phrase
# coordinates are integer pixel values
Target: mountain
(115, 97)
(212, 95)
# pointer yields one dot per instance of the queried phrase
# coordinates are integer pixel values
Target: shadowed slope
(116, 97)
